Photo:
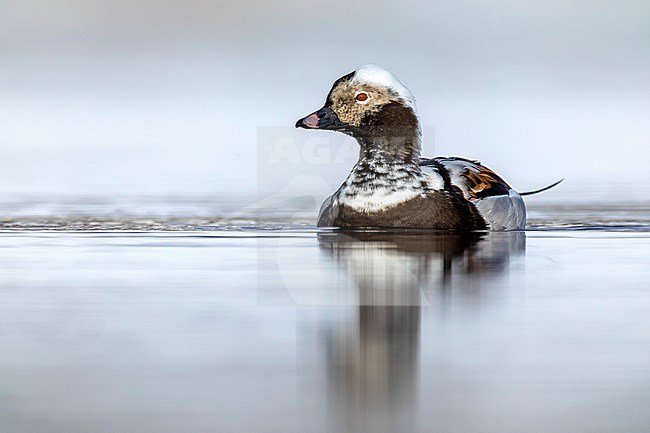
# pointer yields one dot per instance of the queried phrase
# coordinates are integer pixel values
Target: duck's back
(501, 206)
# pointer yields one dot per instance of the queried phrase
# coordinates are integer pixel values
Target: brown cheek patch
(346, 107)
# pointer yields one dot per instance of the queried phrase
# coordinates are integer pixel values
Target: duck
(392, 185)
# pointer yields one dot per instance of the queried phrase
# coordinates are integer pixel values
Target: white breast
(379, 195)
(374, 200)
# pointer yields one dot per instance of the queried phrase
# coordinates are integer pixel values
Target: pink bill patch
(311, 120)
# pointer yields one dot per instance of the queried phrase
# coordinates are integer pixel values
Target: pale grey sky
(155, 96)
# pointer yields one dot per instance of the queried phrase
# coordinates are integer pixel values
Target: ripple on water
(611, 217)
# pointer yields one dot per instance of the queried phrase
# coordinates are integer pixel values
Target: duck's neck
(390, 151)
(392, 139)
(387, 163)
(389, 155)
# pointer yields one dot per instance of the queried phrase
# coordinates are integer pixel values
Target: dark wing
(475, 180)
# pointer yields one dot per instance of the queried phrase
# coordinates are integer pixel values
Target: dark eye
(361, 97)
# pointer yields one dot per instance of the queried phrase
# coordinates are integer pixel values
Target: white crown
(374, 74)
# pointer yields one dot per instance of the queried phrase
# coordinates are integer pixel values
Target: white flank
(457, 170)
(435, 180)
(374, 74)
(503, 212)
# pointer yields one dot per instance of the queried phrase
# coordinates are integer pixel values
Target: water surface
(167, 324)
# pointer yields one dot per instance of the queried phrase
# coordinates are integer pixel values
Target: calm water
(176, 324)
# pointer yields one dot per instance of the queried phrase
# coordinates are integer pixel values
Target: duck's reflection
(372, 356)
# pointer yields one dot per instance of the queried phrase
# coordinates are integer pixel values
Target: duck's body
(441, 193)
(391, 186)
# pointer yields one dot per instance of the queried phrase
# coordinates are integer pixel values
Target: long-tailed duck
(391, 185)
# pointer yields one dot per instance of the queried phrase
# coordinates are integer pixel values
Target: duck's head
(369, 102)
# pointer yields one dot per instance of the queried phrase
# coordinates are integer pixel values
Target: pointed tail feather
(543, 189)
